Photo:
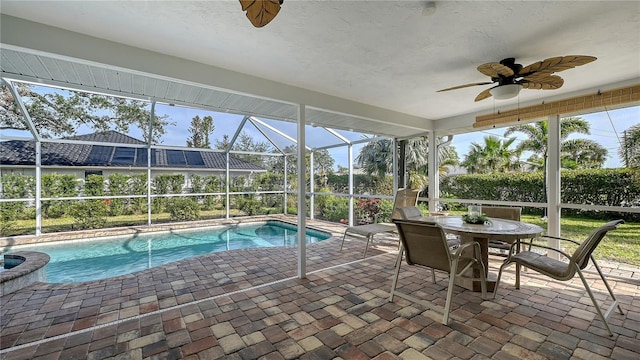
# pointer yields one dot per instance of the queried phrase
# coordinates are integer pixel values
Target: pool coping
(6, 243)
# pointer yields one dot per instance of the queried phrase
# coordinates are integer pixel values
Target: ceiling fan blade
(466, 85)
(494, 70)
(483, 95)
(548, 82)
(260, 12)
(556, 64)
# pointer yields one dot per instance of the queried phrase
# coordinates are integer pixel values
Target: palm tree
(630, 149)
(589, 153)
(584, 152)
(492, 156)
(376, 158)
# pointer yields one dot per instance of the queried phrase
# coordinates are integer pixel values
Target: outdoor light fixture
(504, 92)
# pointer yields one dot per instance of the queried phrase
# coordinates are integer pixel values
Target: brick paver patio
(249, 304)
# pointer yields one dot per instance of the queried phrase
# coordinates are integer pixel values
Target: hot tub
(21, 269)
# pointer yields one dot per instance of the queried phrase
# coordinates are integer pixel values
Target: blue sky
(606, 129)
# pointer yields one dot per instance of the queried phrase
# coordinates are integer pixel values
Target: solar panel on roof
(123, 156)
(194, 158)
(141, 157)
(99, 155)
(176, 158)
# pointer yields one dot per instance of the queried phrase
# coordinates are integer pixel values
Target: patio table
(496, 229)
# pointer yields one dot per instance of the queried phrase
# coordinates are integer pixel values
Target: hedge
(607, 187)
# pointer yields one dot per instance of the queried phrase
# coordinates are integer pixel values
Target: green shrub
(138, 186)
(15, 186)
(118, 185)
(335, 209)
(249, 204)
(183, 209)
(90, 214)
(607, 187)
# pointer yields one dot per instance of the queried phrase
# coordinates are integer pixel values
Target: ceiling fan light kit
(505, 92)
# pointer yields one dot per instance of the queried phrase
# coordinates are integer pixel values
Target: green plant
(249, 204)
(138, 186)
(183, 209)
(15, 186)
(90, 214)
(118, 185)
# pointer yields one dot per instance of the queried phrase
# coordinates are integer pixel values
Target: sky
(607, 128)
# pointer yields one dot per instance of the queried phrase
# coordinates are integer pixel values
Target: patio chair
(501, 212)
(404, 197)
(565, 271)
(426, 246)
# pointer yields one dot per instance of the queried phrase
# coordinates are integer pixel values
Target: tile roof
(21, 152)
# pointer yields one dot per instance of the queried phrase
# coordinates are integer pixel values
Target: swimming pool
(78, 261)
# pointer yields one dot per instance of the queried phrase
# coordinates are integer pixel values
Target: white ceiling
(383, 54)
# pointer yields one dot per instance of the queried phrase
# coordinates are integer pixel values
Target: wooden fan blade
(466, 85)
(549, 82)
(494, 70)
(483, 95)
(260, 12)
(556, 64)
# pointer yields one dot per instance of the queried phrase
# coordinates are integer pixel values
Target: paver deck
(249, 304)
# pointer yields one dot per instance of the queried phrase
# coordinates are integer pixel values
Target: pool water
(98, 259)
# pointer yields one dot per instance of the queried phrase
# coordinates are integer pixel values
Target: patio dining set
(460, 246)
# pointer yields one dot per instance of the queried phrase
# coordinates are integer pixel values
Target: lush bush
(165, 184)
(90, 214)
(607, 187)
(249, 204)
(138, 186)
(367, 210)
(183, 209)
(57, 185)
(15, 186)
(118, 185)
(335, 208)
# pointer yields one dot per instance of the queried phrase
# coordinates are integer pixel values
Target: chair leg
(364, 255)
(433, 275)
(495, 288)
(395, 277)
(452, 283)
(606, 283)
(595, 303)
(343, 236)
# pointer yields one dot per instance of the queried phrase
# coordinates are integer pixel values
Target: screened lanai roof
(367, 66)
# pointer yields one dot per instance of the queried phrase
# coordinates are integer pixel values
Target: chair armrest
(559, 238)
(550, 248)
(464, 246)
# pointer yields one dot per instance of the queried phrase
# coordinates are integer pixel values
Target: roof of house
(21, 152)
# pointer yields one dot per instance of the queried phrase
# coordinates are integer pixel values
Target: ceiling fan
(261, 12)
(511, 77)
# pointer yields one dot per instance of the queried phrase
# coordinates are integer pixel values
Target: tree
(246, 143)
(200, 130)
(577, 153)
(630, 150)
(494, 155)
(537, 140)
(59, 113)
(322, 161)
(376, 158)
